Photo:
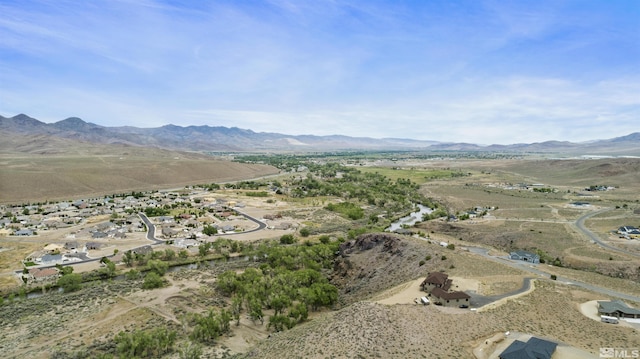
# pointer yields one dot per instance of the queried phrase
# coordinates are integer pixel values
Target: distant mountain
(207, 138)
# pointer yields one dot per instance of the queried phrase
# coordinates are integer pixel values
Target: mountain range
(233, 139)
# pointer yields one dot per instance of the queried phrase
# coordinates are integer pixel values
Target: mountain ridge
(221, 138)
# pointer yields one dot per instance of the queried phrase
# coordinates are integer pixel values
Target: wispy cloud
(474, 71)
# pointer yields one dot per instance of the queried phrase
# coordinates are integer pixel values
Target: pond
(411, 219)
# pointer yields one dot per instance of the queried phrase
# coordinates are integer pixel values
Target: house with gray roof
(534, 348)
(525, 256)
(618, 309)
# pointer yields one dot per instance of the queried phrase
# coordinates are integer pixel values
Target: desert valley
(112, 250)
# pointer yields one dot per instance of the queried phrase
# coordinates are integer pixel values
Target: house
(53, 248)
(23, 232)
(436, 280)
(525, 256)
(98, 235)
(228, 228)
(144, 250)
(93, 245)
(534, 348)
(629, 231)
(168, 232)
(618, 309)
(449, 299)
(186, 243)
(42, 274)
(71, 246)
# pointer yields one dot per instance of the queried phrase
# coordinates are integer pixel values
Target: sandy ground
(493, 346)
(407, 293)
(590, 310)
(504, 300)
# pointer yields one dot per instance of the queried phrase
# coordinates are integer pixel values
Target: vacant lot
(36, 178)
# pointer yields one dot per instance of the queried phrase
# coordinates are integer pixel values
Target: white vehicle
(608, 319)
(424, 300)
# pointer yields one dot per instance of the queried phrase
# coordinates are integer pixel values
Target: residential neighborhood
(92, 228)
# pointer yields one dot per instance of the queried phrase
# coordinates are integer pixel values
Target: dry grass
(41, 178)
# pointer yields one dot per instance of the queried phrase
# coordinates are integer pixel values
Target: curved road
(479, 301)
(594, 237)
(533, 268)
(151, 235)
(151, 228)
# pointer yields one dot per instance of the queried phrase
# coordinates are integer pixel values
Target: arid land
(376, 315)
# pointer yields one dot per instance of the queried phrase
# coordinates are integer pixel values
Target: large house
(437, 284)
(617, 308)
(449, 299)
(525, 256)
(534, 348)
(436, 280)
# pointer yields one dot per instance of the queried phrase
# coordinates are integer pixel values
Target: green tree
(152, 280)
(287, 239)
(144, 344)
(280, 322)
(158, 266)
(70, 282)
(204, 248)
(169, 254)
(128, 258)
(191, 351)
(209, 230)
(255, 310)
(209, 327)
(183, 254)
(305, 232)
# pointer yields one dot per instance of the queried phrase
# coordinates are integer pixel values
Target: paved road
(594, 237)
(478, 300)
(151, 229)
(535, 269)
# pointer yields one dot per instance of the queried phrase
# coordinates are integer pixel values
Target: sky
(477, 71)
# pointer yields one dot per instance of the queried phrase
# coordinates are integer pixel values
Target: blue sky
(465, 71)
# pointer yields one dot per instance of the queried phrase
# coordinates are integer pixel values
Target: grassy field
(416, 175)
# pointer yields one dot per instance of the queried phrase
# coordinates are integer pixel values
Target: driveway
(534, 268)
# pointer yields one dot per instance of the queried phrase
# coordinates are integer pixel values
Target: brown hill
(40, 167)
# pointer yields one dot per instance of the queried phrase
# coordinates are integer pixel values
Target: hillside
(220, 138)
(41, 167)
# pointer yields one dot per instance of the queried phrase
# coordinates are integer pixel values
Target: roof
(43, 272)
(438, 292)
(524, 254)
(436, 278)
(534, 348)
(614, 306)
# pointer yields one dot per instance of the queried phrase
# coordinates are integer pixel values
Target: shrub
(70, 282)
(144, 344)
(152, 280)
(287, 239)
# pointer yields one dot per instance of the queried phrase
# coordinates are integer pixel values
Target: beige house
(436, 280)
(449, 299)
